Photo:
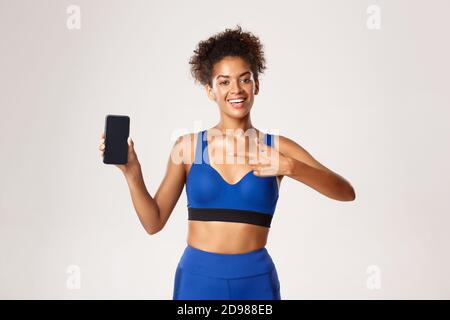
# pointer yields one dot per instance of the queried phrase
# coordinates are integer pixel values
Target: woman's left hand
(266, 161)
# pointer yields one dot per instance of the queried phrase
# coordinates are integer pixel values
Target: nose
(235, 87)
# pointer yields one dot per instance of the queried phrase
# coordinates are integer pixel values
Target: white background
(371, 105)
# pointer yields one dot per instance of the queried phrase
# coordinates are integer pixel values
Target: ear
(256, 87)
(210, 92)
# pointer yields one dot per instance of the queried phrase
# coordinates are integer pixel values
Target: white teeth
(236, 100)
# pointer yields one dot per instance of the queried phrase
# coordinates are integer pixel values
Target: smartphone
(117, 130)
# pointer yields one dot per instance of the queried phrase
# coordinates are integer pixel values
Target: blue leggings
(204, 275)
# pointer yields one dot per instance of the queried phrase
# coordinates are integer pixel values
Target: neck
(227, 123)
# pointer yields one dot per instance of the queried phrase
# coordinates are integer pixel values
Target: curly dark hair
(231, 42)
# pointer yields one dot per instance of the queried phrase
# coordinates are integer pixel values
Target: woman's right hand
(132, 167)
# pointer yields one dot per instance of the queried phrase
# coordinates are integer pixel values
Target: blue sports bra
(210, 198)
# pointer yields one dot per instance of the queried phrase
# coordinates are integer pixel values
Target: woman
(230, 204)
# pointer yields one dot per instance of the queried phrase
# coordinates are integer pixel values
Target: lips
(237, 102)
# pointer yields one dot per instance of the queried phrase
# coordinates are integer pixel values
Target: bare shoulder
(291, 148)
(184, 148)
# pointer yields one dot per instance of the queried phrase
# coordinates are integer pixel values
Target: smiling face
(233, 80)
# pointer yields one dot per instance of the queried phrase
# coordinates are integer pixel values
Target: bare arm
(306, 169)
(153, 212)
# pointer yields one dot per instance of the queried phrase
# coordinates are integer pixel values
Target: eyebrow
(223, 76)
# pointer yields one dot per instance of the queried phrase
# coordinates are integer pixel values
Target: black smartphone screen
(117, 130)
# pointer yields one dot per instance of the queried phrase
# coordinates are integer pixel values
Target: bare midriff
(226, 237)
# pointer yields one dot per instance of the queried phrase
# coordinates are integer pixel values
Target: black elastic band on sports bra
(230, 215)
